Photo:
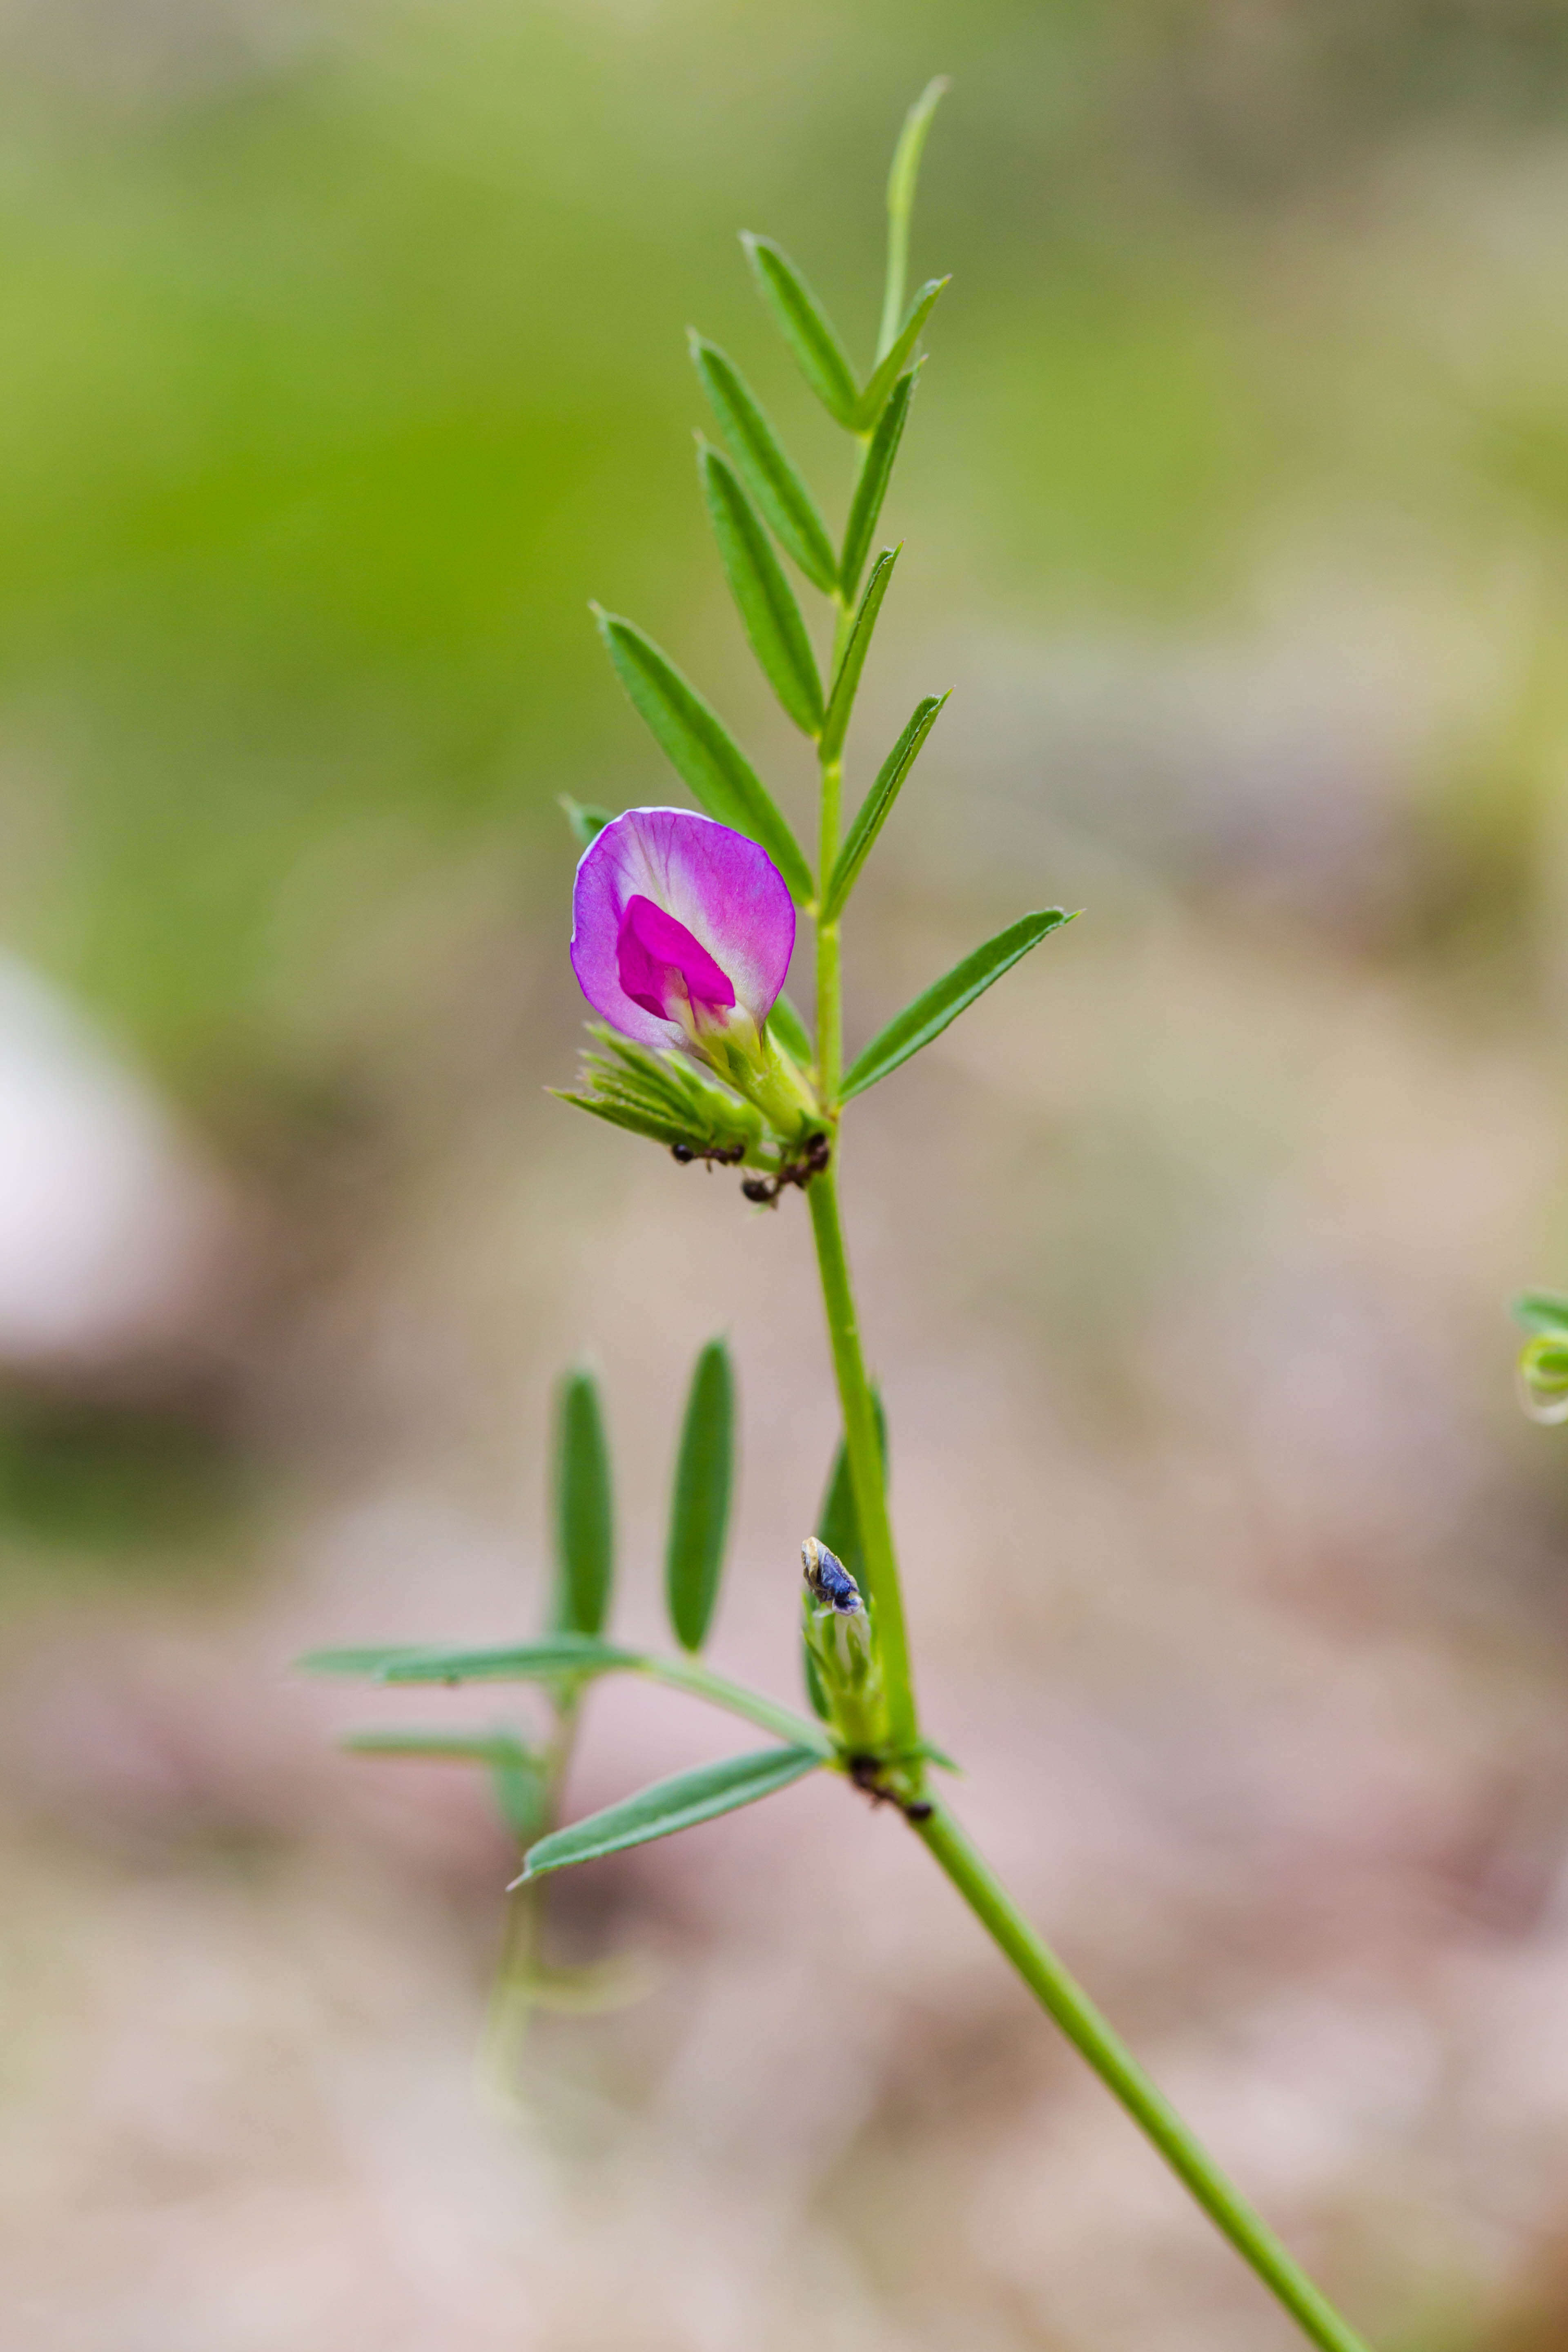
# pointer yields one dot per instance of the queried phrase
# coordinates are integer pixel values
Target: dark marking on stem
(810, 1162)
(870, 1774)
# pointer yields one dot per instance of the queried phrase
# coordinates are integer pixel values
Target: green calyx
(765, 1114)
(843, 1649)
(769, 1076)
(665, 1097)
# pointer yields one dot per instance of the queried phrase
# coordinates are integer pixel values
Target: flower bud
(840, 1638)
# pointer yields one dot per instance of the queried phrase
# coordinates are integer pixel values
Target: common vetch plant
(684, 924)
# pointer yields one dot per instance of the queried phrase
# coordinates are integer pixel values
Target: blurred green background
(344, 363)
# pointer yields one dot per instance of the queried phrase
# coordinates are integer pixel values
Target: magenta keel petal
(661, 964)
(716, 925)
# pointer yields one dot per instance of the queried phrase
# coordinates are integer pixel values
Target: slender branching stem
(1090, 2033)
(1055, 1991)
(1043, 1974)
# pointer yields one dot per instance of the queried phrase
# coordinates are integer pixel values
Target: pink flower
(681, 930)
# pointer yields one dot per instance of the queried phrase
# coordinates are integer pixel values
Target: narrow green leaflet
(928, 1015)
(766, 600)
(876, 467)
(550, 1659)
(873, 400)
(444, 1746)
(806, 328)
(700, 1506)
(584, 820)
(772, 480)
(876, 806)
(901, 182)
(553, 1654)
(635, 1120)
(583, 1509)
(790, 1029)
(846, 679)
(701, 749)
(679, 1804)
(1545, 1311)
(361, 1664)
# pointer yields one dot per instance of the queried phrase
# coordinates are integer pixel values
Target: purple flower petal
(662, 966)
(731, 920)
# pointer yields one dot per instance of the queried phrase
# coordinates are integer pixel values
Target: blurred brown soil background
(344, 363)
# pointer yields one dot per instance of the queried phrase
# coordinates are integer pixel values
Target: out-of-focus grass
(80, 1481)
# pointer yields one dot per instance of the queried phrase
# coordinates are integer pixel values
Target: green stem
(844, 607)
(1043, 1974)
(863, 1446)
(862, 1439)
(829, 997)
(1095, 2040)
